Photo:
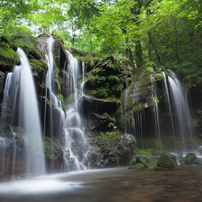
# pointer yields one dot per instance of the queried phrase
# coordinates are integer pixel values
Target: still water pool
(116, 184)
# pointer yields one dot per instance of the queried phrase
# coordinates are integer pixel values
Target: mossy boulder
(20, 40)
(8, 57)
(139, 166)
(142, 159)
(167, 162)
(152, 164)
(189, 158)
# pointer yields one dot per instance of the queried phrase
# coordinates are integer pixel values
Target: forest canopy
(158, 33)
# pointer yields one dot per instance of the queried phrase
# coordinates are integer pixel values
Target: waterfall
(156, 119)
(5, 100)
(49, 116)
(75, 144)
(177, 120)
(19, 93)
(29, 115)
(180, 107)
(76, 147)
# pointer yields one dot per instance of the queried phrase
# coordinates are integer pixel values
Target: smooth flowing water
(180, 109)
(171, 117)
(29, 115)
(76, 146)
(20, 94)
(50, 126)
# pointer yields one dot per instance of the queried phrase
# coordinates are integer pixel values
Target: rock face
(109, 146)
(189, 159)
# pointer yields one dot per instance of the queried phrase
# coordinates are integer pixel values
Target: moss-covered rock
(167, 162)
(52, 148)
(138, 166)
(142, 159)
(8, 57)
(189, 158)
(107, 78)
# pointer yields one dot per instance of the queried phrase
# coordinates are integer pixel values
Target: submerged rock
(189, 159)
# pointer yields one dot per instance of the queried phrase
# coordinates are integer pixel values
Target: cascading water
(51, 97)
(156, 119)
(171, 118)
(20, 91)
(75, 143)
(181, 109)
(5, 99)
(76, 147)
(29, 115)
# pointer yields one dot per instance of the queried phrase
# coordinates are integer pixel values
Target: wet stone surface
(119, 184)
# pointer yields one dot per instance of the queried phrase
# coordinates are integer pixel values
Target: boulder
(167, 162)
(139, 166)
(189, 158)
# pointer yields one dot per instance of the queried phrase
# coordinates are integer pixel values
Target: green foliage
(58, 79)
(112, 136)
(155, 99)
(189, 73)
(149, 69)
(158, 77)
(147, 152)
(107, 79)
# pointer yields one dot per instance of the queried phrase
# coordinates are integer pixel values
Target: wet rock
(2, 80)
(139, 166)
(142, 159)
(175, 156)
(133, 161)
(189, 159)
(198, 161)
(167, 162)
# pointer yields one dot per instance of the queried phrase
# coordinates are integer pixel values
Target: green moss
(52, 148)
(31, 52)
(58, 79)
(138, 166)
(167, 162)
(147, 152)
(129, 102)
(137, 108)
(155, 99)
(153, 163)
(112, 135)
(149, 69)
(158, 77)
(8, 57)
(145, 90)
(21, 40)
(60, 97)
(189, 159)
(39, 66)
